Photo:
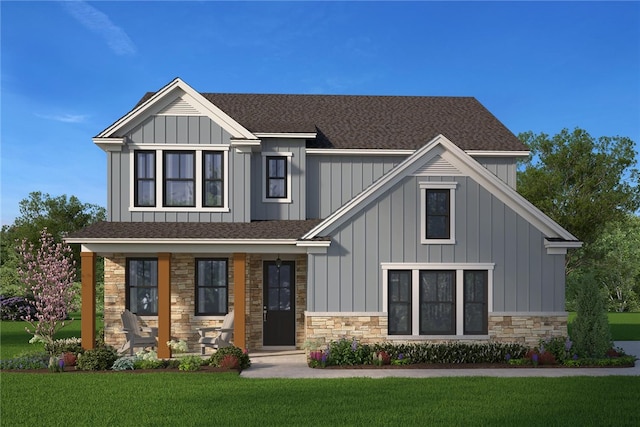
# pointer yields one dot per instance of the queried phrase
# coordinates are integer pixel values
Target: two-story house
(320, 216)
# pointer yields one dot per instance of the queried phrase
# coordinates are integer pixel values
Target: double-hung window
(437, 219)
(179, 178)
(142, 286)
(437, 299)
(276, 168)
(145, 178)
(212, 295)
(213, 179)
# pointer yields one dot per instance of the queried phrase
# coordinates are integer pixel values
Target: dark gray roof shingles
(370, 122)
(255, 230)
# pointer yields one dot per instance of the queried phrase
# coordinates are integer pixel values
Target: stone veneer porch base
(371, 328)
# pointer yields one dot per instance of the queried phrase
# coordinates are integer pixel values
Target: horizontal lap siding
(387, 230)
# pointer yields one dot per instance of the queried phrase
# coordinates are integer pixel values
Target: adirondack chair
(222, 338)
(137, 336)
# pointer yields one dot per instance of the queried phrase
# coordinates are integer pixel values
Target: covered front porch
(261, 315)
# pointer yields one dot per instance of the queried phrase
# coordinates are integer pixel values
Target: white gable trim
(177, 89)
(465, 164)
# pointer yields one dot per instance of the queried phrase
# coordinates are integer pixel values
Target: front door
(279, 314)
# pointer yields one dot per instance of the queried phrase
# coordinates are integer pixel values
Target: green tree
(581, 182)
(590, 329)
(59, 215)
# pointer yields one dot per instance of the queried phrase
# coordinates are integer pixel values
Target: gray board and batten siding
(176, 130)
(387, 229)
(276, 210)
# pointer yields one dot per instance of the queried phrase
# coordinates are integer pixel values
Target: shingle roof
(284, 229)
(359, 121)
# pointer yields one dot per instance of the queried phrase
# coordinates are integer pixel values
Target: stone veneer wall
(183, 319)
(254, 295)
(370, 329)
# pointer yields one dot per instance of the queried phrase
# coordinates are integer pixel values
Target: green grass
(624, 326)
(15, 340)
(187, 399)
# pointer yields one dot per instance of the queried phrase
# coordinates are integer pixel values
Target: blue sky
(70, 69)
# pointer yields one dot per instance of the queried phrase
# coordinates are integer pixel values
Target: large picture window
(437, 302)
(145, 178)
(445, 300)
(212, 294)
(142, 286)
(179, 178)
(213, 176)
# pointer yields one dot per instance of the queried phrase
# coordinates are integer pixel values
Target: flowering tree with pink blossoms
(48, 273)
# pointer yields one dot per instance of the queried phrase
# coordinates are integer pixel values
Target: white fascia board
(294, 135)
(84, 241)
(468, 166)
(490, 153)
(153, 248)
(214, 113)
(109, 144)
(314, 243)
(503, 192)
(358, 152)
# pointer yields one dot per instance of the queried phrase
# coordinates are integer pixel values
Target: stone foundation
(527, 330)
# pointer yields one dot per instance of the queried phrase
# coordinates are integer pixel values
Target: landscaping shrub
(190, 363)
(64, 345)
(230, 362)
(15, 308)
(125, 363)
(97, 359)
(37, 360)
(148, 364)
(560, 347)
(453, 352)
(346, 352)
(217, 357)
(590, 330)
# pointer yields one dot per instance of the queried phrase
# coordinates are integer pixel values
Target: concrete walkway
(293, 364)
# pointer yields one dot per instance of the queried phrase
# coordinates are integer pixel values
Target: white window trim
(288, 156)
(424, 186)
(415, 297)
(198, 149)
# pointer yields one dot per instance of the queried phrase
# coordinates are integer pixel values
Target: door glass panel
(274, 300)
(285, 299)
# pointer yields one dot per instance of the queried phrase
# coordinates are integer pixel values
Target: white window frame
(415, 295)
(288, 156)
(451, 186)
(198, 149)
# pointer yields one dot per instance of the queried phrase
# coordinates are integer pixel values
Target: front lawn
(227, 399)
(14, 339)
(624, 326)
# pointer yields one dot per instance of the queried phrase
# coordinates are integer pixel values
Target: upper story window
(277, 177)
(145, 178)
(180, 179)
(213, 176)
(437, 219)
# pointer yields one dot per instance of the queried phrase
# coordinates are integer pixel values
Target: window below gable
(190, 177)
(437, 212)
(276, 185)
(437, 300)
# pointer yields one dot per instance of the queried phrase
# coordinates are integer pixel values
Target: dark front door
(279, 314)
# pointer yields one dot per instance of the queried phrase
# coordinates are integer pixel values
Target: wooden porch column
(164, 305)
(88, 295)
(239, 289)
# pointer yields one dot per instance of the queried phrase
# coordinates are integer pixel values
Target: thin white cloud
(64, 118)
(99, 23)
